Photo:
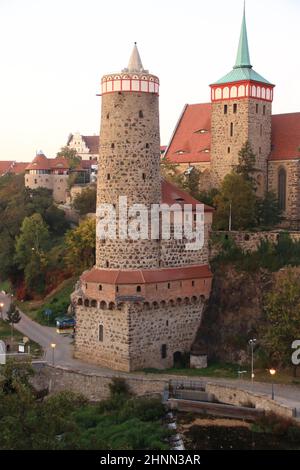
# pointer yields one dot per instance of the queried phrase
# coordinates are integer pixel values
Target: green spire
(243, 56)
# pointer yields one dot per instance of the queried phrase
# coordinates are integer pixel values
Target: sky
(54, 52)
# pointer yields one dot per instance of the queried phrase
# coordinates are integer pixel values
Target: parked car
(65, 322)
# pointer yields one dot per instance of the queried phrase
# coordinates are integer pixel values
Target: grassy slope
(59, 297)
(5, 334)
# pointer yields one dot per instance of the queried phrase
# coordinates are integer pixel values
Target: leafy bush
(273, 424)
(119, 386)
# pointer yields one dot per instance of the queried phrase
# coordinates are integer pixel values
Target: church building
(209, 136)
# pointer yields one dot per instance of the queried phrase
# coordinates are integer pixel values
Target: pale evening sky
(54, 52)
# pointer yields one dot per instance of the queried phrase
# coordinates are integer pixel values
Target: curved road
(63, 356)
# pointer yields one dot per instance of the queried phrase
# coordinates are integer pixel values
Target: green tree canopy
(85, 202)
(282, 310)
(268, 213)
(71, 155)
(31, 248)
(246, 165)
(33, 239)
(170, 172)
(81, 245)
(238, 193)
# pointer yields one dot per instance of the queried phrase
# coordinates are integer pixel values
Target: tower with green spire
(241, 111)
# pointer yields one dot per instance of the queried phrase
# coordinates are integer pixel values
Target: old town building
(209, 136)
(54, 174)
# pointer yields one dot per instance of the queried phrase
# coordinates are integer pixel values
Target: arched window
(138, 288)
(282, 189)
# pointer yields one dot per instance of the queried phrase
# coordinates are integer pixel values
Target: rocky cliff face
(234, 314)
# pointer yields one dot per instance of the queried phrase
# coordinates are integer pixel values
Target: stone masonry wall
(174, 253)
(134, 334)
(232, 395)
(149, 329)
(292, 168)
(247, 125)
(129, 165)
(249, 241)
(95, 386)
(113, 350)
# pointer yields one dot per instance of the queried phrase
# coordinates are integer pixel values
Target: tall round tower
(129, 158)
(142, 303)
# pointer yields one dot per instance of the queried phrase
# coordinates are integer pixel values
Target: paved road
(45, 336)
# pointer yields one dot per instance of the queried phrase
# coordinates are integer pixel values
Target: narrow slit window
(100, 333)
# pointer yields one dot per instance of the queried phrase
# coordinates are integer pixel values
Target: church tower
(241, 111)
(141, 305)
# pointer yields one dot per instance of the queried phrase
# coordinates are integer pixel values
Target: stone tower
(141, 304)
(129, 163)
(241, 111)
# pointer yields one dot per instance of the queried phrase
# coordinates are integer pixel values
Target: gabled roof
(18, 167)
(285, 136)
(40, 162)
(92, 142)
(5, 166)
(190, 142)
(171, 194)
(58, 163)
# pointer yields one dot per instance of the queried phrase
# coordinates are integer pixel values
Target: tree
(237, 193)
(13, 317)
(33, 238)
(268, 212)
(31, 248)
(282, 310)
(70, 155)
(246, 166)
(85, 202)
(56, 220)
(170, 172)
(81, 245)
(192, 181)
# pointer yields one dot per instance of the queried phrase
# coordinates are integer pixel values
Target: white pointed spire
(135, 63)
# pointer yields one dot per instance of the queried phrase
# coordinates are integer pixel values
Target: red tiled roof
(187, 137)
(40, 162)
(285, 136)
(59, 163)
(5, 166)
(171, 194)
(92, 142)
(18, 167)
(143, 276)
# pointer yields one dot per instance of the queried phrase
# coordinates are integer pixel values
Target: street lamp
(53, 346)
(272, 372)
(252, 343)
